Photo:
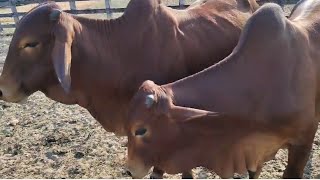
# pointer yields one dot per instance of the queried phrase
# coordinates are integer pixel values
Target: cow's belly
(248, 153)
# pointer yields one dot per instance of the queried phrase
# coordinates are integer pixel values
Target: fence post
(181, 3)
(108, 8)
(73, 5)
(14, 11)
(1, 28)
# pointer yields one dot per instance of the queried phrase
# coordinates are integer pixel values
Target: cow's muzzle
(137, 170)
(11, 92)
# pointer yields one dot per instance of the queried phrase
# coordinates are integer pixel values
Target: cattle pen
(46, 139)
(108, 9)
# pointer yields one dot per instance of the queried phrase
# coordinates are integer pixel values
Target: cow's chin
(138, 169)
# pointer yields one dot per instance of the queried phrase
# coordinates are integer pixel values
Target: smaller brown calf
(177, 138)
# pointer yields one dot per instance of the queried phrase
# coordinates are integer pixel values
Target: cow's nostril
(128, 173)
(0, 93)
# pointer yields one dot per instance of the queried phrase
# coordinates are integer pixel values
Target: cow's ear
(63, 33)
(184, 114)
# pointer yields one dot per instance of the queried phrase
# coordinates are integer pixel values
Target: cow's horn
(149, 100)
(55, 14)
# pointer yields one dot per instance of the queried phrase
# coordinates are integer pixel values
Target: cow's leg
(298, 158)
(187, 175)
(256, 174)
(157, 173)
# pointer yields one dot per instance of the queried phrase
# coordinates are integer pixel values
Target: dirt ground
(46, 139)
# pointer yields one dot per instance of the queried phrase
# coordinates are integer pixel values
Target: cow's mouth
(137, 169)
(17, 98)
(14, 95)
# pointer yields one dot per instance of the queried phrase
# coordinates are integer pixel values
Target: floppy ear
(61, 53)
(207, 120)
(183, 114)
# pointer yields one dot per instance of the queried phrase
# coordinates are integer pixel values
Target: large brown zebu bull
(236, 115)
(99, 64)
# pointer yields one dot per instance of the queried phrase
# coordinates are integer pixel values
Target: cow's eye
(140, 132)
(31, 45)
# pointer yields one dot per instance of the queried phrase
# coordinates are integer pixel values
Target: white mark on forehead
(149, 100)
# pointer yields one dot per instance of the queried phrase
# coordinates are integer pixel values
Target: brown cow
(101, 63)
(235, 115)
(111, 58)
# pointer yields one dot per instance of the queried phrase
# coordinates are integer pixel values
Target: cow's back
(199, 36)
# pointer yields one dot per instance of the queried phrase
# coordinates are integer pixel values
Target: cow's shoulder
(141, 8)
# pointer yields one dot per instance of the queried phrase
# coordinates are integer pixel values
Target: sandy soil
(46, 139)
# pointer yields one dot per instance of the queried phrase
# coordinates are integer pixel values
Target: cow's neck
(236, 83)
(100, 81)
(215, 88)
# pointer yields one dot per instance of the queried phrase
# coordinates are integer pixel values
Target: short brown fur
(236, 115)
(101, 63)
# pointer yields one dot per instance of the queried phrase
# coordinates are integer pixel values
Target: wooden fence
(12, 4)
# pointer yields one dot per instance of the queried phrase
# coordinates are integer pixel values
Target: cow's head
(39, 55)
(154, 128)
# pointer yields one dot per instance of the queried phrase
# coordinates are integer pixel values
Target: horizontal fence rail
(108, 10)
(12, 4)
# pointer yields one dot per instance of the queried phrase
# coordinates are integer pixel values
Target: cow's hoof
(156, 176)
(187, 175)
